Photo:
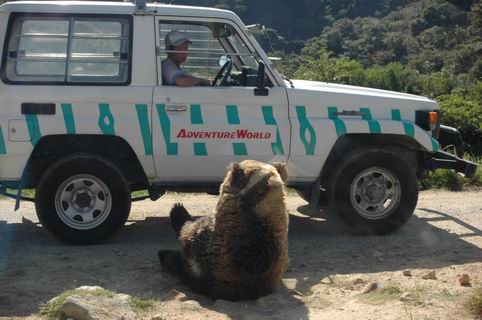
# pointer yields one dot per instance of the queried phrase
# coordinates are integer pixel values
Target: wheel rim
(374, 193)
(83, 202)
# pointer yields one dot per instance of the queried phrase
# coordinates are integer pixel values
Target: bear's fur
(241, 251)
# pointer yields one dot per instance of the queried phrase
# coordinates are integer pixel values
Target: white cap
(175, 38)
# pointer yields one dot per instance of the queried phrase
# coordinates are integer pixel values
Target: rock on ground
(97, 308)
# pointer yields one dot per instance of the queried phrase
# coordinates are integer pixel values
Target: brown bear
(241, 251)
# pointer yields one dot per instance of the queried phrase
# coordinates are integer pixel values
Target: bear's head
(242, 177)
(250, 183)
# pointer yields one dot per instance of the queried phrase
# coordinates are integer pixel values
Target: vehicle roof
(111, 7)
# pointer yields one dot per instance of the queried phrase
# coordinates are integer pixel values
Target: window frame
(202, 19)
(15, 15)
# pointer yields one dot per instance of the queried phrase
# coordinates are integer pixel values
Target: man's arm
(190, 81)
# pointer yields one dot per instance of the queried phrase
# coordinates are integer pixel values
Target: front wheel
(374, 190)
(83, 199)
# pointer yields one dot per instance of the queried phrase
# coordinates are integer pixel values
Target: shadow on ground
(37, 267)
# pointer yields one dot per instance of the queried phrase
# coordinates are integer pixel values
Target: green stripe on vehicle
(306, 127)
(240, 149)
(269, 119)
(172, 148)
(233, 116)
(196, 116)
(435, 144)
(396, 115)
(339, 124)
(3, 149)
(143, 117)
(200, 149)
(407, 126)
(33, 128)
(373, 124)
(68, 118)
(277, 146)
(106, 119)
(268, 115)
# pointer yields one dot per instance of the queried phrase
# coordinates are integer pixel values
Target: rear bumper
(445, 160)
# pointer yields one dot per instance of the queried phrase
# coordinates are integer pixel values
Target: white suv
(86, 120)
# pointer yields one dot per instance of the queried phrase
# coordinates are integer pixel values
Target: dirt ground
(329, 268)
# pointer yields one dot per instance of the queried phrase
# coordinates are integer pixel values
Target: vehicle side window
(68, 50)
(211, 46)
(204, 52)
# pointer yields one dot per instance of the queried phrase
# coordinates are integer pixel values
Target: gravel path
(329, 268)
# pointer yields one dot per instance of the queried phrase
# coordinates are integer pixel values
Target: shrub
(448, 179)
(464, 114)
(445, 179)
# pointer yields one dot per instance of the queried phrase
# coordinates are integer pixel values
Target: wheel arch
(405, 146)
(51, 148)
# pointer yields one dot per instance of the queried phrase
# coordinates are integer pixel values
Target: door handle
(176, 108)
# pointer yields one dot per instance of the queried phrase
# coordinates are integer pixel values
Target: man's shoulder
(169, 63)
(170, 72)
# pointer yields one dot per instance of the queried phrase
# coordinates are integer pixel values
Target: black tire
(78, 188)
(359, 188)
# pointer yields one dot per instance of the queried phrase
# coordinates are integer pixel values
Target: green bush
(449, 179)
(464, 113)
(445, 179)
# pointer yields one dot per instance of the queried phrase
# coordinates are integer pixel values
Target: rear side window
(69, 49)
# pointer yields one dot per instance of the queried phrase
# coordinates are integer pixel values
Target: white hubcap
(83, 202)
(374, 193)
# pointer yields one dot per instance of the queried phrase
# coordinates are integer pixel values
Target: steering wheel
(223, 73)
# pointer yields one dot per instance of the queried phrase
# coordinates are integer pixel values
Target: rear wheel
(83, 199)
(374, 190)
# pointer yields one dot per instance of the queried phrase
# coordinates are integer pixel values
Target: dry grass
(475, 302)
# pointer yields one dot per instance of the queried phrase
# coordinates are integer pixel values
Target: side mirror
(223, 60)
(261, 89)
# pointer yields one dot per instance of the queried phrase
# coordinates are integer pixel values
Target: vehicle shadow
(35, 267)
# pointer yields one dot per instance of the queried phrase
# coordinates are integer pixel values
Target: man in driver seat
(172, 74)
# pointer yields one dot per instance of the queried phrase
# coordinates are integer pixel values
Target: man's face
(180, 57)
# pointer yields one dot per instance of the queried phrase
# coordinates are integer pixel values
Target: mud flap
(17, 185)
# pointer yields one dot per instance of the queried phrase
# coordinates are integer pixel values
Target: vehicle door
(198, 131)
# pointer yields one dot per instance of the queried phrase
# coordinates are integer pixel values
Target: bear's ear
(236, 174)
(281, 168)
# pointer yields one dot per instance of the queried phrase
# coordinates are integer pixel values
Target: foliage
(465, 113)
(300, 19)
(450, 180)
(141, 305)
(445, 179)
